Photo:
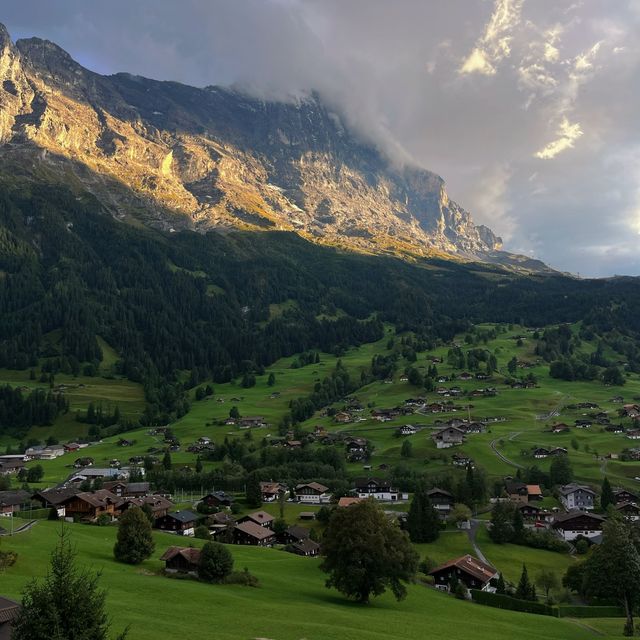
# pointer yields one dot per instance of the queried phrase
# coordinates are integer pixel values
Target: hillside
(178, 157)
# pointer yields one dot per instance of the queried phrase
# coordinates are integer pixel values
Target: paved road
(471, 533)
(492, 444)
(20, 529)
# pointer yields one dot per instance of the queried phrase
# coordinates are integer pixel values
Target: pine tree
(525, 590)
(423, 522)
(198, 465)
(67, 604)
(253, 492)
(166, 461)
(517, 523)
(501, 587)
(271, 380)
(606, 497)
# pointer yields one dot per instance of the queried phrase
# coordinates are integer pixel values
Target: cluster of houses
(454, 432)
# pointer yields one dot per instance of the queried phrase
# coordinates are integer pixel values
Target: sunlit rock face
(174, 157)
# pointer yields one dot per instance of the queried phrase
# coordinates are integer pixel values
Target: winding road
(502, 457)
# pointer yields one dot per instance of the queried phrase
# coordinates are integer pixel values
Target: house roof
(435, 491)
(300, 533)
(571, 488)
(365, 482)
(259, 517)
(316, 486)
(254, 530)
(563, 518)
(534, 490)
(306, 545)
(56, 496)
(183, 516)
(98, 498)
(474, 567)
(8, 610)
(190, 554)
(157, 503)
(347, 502)
(11, 498)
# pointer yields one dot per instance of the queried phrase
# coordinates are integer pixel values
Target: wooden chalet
(305, 547)
(181, 522)
(449, 437)
(293, 534)
(473, 573)
(124, 489)
(312, 493)
(159, 506)
(578, 523)
(261, 518)
(90, 505)
(181, 560)
(630, 510)
(271, 491)
(9, 611)
(9, 466)
(217, 499)
(13, 501)
(55, 498)
(250, 533)
(622, 495)
(441, 500)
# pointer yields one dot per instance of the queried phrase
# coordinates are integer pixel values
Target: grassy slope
(292, 602)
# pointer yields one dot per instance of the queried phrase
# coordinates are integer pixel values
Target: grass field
(291, 604)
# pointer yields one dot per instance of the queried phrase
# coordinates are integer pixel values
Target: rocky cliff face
(181, 157)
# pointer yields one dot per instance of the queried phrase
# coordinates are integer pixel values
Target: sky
(529, 109)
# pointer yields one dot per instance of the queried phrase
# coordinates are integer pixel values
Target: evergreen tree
(198, 465)
(67, 604)
(423, 522)
(525, 590)
(560, 471)
(271, 380)
(517, 523)
(606, 496)
(501, 587)
(253, 492)
(135, 540)
(406, 451)
(501, 529)
(216, 562)
(166, 461)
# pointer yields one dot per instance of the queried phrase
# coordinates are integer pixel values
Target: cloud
(567, 135)
(495, 44)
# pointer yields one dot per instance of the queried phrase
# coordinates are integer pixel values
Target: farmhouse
(473, 573)
(313, 493)
(181, 522)
(378, 489)
(261, 518)
(293, 534)
(342, 417)
(630, 510)
(441, 500)
(250, 533)
(348, 501)
(271, 491)
(449, 437)
(460, 460)
(622, 495)
(522, 493)
(578, 523)
(251, 421)
(633, 434)
(576, 497)
(14, 501)
(540, 453)
(407, 430)
(90, 505)
(181, 560)
(55, 498)
(217, 499)
(10, 465)
(158, 505)
(127, 489)
(560, 428)
(306, 547)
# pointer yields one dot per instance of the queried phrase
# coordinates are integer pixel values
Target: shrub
(244, 578)
(582, 546)
(7, 559)
(216, 562)
(201, 532)
(103, 520)
(513, 604)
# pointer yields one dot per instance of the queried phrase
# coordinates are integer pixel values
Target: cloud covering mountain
(528, 109)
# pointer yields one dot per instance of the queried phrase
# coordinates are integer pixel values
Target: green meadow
(290, 604)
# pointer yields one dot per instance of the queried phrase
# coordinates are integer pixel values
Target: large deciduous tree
(216, 562)
(365, 553)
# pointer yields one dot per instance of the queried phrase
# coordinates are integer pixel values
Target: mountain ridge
(216, 159)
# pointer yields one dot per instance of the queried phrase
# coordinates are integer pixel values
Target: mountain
(178, 157)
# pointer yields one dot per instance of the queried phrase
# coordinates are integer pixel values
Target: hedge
(584, 611)
(514, 604)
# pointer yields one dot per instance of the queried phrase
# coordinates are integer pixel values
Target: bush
(216, 562)
(544, 540)
(507, 602)
(7, 559)
(582, 546)
(243, 578)
(103, 520)
(201, 532)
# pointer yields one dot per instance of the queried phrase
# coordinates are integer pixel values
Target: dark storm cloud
(527, 108)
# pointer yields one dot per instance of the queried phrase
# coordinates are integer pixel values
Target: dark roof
(259, 517)
(365, 482)
(316, 486)
(8, 610)
(567, 517)
(254, 530)
(300, 533)
(436, 491)
(474, 567)
(183, 516)
(190, 554)
(306, 545)
(570, 488)
(56, 496)
(11, 498)
(98, 498)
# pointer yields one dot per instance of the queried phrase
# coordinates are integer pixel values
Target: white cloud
(495, 44)
(567, 135)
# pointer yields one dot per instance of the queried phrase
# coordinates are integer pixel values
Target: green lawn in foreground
(291, 604)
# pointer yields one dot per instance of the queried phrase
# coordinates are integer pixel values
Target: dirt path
(502, 457)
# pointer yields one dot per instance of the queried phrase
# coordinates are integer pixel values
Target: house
(578, 523)
(460, 460)
(342, 417)
(384, 415)
(614, 428)
(470, 571)
(248, 532)
(378, 489)
(271, 491)
(449, 437)
(633, 434)
(522, 493)
(217, 499)
(630, 510)
(583, 424)
(85, 461)
(127, 489)
(293, 534)
(261, 518)
(441, 500)
(44, 453)
(558, 451)
(577, 497)
(9, 611)
(529, 511)
(251, 422)
(14, 501)
(306, 547)
(181, 560)
(540, 452)
(348, 501)
(55, 498)
(104, 474)
(473, 427)
(407, 430)
(560, 428)
(622, 495)
(465, 375)
(312, 493)
(181, 522)
(90, 505)
(11, 466)
(71, 447)
(158, 506)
